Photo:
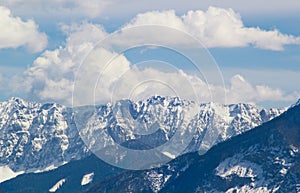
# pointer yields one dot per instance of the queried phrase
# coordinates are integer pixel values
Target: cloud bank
(52, 75)
(66, 8)
(15, 32)
(217, 27)
(240, 90)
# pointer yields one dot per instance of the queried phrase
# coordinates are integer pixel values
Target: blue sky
(60, 25)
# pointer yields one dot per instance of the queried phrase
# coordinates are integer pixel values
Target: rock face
(264, 159)
(36, 137)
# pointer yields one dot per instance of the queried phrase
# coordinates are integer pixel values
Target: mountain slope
(76, 176)
(35, 136)
(264, 159)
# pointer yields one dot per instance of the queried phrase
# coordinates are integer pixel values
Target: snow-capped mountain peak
(36, 136)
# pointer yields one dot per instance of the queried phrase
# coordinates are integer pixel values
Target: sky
(81, 52)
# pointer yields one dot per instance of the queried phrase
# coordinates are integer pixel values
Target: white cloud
(216, 27)
(84, 32)
(164, 18)
(15, 32)
(52, 76)
(242, 91)
(286, 79)
(141, 83)
(98, 65)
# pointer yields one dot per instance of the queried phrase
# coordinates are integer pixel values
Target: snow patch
(6, 173)
(168, 154)
(51, 167)
(86, 179)
(156, 180)
(233, 166)
(57, 185)
(248, 189)
(283, 171)
(293, 150)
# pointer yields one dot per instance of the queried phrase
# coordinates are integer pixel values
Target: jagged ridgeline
(262, 159)
(36, 137)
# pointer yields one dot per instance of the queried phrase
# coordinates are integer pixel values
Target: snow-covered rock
(56, 186)
(6, 173)
(34, 136)
(87, 178)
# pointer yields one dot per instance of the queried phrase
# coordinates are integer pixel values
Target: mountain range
(36, 137)
(263, 159)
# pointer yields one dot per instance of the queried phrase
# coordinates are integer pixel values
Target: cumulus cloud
(216, 27)
(51, 76)
(242, 91)
(143, 83)
(55, 74)
(15, 32)
(97, 75)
